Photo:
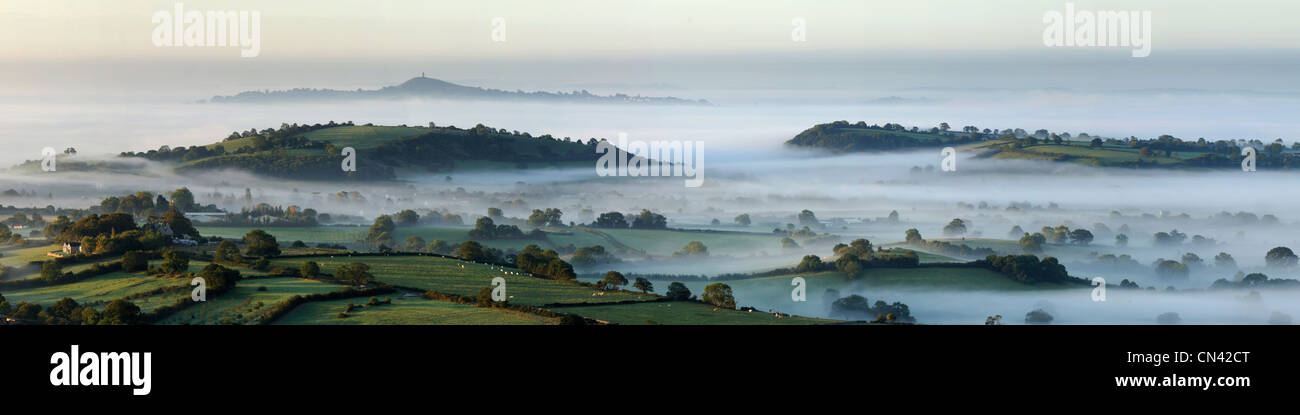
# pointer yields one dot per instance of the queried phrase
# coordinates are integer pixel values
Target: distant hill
(843, 137)
(314, 152)
(1161, 152)
(423, 87)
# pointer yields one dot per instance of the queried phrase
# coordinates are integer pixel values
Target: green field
(311, 235)
(246, 304)
(666, 242)
(677, 312)
(363, 137)
(926, 257)
(1081, 151)
(105, 288)
(407, 310)
(446, 275)
(19, 256)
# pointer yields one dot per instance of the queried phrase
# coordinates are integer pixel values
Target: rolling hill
(314, 152)
(1161, 152)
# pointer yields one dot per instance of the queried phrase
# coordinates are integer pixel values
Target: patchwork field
(446, 275)
(407, 310)
(681, 313)
(247, 304)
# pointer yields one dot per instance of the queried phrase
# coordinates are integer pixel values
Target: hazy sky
(65, 29)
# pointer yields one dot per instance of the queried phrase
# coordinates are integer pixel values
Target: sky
(72, 30)
(87, 74)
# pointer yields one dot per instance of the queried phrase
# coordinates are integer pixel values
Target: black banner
(303, 361)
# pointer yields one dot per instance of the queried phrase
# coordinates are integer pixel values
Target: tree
(719, 294)
(807, 218)
(310, 269)
(218, 279)
(407, 217)
(1280, 257)
(495, 213)
(1168, 269)
(261, 244)
(1038, 317)
(743, 219)
(1081, 237)
(471, 251)
(226, 252)
(548, 217)
(1032, 243)
(850, 265)
(120, 312)
(610, 220)
(381, 232)
(1225, 260)
(956, 227)
(694, 248)
(613, 280)
(438, 246)
(787, 243)
(64, 308)
(133, 261)
(678, 292)
(183, 199)
(810, 263)
(1121, 240)
(51, 272)
(175, 261)
(414, 243)
(914, 237)
(649, 220)
(356, 273)
(643, 284)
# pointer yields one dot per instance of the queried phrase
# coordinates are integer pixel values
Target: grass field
(926, 257)
(105, 288)
(19, 256)
(407, 310)
(446, 275)
(681, 313)
(311, 235)
(113, 286)
(246, 304)
(363, 137)
(666, 242)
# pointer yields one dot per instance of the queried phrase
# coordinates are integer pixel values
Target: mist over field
(747, 169)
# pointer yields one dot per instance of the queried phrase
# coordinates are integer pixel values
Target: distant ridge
(425, 87)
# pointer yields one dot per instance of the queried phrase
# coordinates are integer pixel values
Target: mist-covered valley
(748, 171)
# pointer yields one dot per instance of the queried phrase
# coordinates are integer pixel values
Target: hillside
(1161, 152)
(424, 87)
(314, 152)
(843, 137)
